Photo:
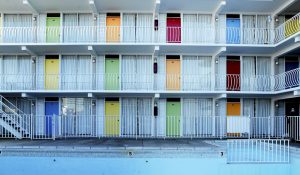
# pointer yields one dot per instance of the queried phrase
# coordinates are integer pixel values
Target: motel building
(221, 71)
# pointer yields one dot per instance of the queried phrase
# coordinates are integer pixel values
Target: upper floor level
(146, 74)
(149, 22)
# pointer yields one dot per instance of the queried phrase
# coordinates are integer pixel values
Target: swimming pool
(137, 157)
(139, 166)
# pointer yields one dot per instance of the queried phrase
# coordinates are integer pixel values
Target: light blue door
(233, 32)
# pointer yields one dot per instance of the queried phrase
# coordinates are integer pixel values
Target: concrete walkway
(110, 148)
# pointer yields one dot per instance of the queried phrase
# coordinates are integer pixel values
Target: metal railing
(133, 126)
(140, 34)
(286, 80)
(15, 126)
(258, 151)
(150, 82)
(287, 29)
(12, 121)
(293, 127)
(236, 82)
(76, 81)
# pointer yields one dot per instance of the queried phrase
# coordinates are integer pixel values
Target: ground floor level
(131, 156)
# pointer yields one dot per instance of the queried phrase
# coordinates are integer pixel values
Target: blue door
(51, 108)
(292, 76)
(233, 32)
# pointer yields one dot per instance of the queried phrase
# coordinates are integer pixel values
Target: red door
(173, 30)
(233, 74)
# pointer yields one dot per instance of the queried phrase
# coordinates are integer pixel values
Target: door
(53, 29)
(233, 74)
(173, 30)
(51, 74)
(173, 118)
(173, 74)
(233, 30)
(51, 110)
(235, 123)
(112, 74)
(233, 109)
(113, 24)
(292, 125)
(292, 76)
(112, 118)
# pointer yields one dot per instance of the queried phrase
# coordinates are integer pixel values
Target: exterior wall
(85, 73)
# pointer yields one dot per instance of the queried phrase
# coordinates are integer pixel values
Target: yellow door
(112, 118)
(51, 74)
(173, 74)
(113, 28)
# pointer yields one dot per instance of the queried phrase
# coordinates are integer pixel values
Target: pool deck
(113, 147)
(119, 148)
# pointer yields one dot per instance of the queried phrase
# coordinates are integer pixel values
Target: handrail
(125, 81)
(289, 20)
(123, 125)
(15, 107)
(147, 33)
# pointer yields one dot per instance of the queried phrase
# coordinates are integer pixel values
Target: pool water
(139, 166)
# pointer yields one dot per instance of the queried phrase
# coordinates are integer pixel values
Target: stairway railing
(15, 115)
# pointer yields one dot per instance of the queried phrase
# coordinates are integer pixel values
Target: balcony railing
(65, 126)
(147, 34)
(286, 80)
(287, 29)
(151, 82)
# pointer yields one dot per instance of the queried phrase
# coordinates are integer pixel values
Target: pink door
(173, 30)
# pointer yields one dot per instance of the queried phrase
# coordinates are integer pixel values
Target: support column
(273, 59)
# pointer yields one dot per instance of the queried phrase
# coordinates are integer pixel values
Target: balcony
(126, 34)
(147, 35)
(150, 82)
(70, 126)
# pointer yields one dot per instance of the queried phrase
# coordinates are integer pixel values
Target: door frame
(176, 16)
(120, 67)
(110, 15)
(59, 70)
(179, 125)
(240, 34)
(60, 16)
(120, 113)
(180, 70)
(237, 59)
(50, 118)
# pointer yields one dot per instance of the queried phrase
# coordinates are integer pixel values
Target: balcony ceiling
(293, 9)
(294, 52)
(260, 6)
(207, 6)
(77, 5)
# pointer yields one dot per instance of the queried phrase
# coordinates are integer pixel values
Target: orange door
(233, 109)
(113, 28)
(235, 125)
(173, 74)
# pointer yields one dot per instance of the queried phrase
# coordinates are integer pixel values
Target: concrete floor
(119, 148)
(108, 143)
(111, 148)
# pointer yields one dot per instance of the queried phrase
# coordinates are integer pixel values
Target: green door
(173, 118)
(112, 74)
(53, 29)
